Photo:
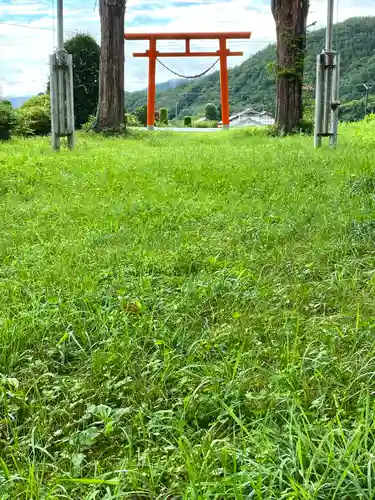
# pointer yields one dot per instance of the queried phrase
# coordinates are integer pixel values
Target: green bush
(210, 112)
(7, 120)
(163, 116)
(187, 121)
(121, 130)
(141, 114)
(206, 124)
(306, 127)
(34, 121)
(89, 125)
(35, 116)
(131, 120)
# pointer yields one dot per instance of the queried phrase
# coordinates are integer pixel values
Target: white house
(250, 117)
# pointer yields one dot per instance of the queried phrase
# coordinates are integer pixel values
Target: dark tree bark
(110, 113)
(290, 18)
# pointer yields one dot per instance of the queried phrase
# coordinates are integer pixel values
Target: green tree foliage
(163, 116)
(252, 83)
(355, 110)
(187, 121)
(7, 120)
(131, 120)
(141, 114)
(34, 116)
(210, 112)
(86, 53)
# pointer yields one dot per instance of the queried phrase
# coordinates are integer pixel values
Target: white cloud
(24, 51)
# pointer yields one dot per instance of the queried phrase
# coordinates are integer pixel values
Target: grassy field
(188, 317)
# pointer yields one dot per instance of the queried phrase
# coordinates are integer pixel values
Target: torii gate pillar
(152, 54)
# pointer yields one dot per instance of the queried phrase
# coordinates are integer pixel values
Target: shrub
(163, 116)
(34, 121)
(141, 114)
(210, 112)
(89, 125)
(35, 116)
(187, 121)
(272, 130)
(39, 101)
(306, 127)
(206, 124)
(121, 130)
(132, 120)
(7, 120)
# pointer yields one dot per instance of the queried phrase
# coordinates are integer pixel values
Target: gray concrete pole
(60, 24)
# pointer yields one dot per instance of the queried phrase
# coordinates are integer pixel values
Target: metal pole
(327, 87)
(329, 31)
(366, 97)
(54, 104)
(60, 24)
(319, 87)
(335, 101)
(327, 91)
(328, 64)
(61, 88)
(70, 103)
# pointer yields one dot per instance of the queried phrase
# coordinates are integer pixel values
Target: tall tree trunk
(290, 18)
(110, 113)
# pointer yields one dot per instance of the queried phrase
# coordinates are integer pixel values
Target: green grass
(188, 317)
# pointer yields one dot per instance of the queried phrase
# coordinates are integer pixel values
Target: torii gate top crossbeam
(188, 36)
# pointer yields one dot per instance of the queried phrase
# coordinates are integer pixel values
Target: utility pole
(61, 88)
(327, 87)
(366, 87)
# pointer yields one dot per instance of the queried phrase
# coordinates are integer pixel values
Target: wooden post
(224, 82)
(151, 85)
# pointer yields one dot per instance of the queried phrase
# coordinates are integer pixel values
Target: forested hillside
(253, 82)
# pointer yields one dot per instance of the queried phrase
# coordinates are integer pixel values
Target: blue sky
(24, 50)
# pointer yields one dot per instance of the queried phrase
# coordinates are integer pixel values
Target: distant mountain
(17, 101)
(170, 84)
(252, 84)
(139, 97)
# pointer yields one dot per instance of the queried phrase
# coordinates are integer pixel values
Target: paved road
(177, 129)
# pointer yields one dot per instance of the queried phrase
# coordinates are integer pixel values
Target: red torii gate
(152, 53)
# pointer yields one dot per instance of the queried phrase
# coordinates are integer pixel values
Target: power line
(5, 23)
